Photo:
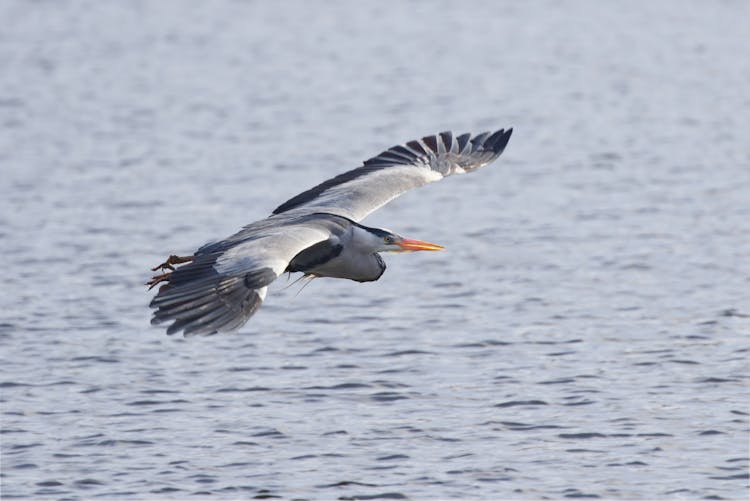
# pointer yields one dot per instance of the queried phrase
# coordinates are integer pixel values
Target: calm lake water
(585, 334)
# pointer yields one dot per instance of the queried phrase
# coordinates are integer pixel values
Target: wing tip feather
(499, 140)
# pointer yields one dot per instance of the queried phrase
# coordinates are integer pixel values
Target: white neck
(363, 241)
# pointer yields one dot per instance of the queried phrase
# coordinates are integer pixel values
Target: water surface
(585, 334)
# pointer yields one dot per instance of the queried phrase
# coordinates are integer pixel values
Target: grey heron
(317, 232)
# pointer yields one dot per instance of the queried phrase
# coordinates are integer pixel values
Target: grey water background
(585, 334)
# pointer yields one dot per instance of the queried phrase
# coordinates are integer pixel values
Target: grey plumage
(316, 232)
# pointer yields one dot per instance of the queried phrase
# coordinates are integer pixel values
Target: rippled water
(585, 334)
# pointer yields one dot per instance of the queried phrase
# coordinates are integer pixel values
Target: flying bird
(317, 232)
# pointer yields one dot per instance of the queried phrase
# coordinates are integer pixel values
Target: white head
(382, 240)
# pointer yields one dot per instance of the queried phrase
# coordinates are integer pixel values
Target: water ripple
(584, 335)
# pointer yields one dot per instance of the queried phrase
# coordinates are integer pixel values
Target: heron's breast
(353, 266)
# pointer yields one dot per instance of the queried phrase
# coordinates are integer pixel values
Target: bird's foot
(308, 277)
(172, 260)
(157, 279)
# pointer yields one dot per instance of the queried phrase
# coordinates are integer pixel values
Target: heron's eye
(388, 240)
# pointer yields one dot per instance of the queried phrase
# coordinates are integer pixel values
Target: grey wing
(226, 283)
(357, 193)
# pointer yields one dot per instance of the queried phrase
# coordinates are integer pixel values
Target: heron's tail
(200, 301)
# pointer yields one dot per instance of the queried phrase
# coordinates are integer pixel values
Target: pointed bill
(409, 245)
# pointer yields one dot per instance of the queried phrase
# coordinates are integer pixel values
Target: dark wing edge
(444, 153)
(199, 300)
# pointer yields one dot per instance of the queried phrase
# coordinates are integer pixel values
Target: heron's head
(387, 241)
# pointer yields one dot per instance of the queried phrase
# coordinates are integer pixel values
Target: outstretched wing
(225, 283)
(357, 193)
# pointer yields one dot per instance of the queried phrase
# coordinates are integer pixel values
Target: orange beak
(418, 245)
